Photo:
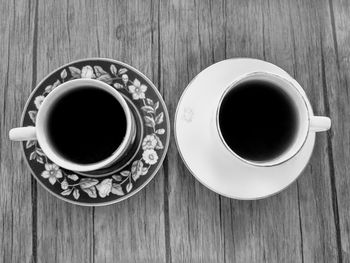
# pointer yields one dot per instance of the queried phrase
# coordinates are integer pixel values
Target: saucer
(207, 158)
(125, 178)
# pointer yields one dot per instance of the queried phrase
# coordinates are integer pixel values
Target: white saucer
(207, 158)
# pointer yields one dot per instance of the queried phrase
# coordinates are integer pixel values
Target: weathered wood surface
(17, 229)
(175, 218)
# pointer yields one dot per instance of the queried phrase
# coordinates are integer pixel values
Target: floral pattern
(123, 182)
(149, 142)
(87, 72)
(137, 90)
(52, 172)
(150, 156)
(38, 101)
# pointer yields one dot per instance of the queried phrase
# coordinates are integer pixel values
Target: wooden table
(175, 218)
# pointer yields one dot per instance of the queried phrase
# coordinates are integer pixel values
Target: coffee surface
(257, 120)
(86, 125)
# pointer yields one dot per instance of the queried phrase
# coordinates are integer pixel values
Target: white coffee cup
(40, 131)
(306, 121)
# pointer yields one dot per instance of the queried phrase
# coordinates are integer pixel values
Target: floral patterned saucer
(118, 182)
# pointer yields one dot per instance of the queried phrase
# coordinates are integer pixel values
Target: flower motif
(136, 169)
(137, 90)
(150, 156)
(149, 142)
(188, 114)
(104, 188)
(52, 171)
(38, 101)
(125, 78)
(64, 184)
(87, 72)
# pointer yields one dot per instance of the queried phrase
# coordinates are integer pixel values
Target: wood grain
(318, 226)
(189, 43)
(175, 218)
(337, 79)
(64, 231)
(132, 231)
(16, 43)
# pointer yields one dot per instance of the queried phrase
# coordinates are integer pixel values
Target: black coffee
(86, 125)
(257, 120)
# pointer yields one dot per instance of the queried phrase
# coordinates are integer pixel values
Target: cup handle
(319, 123)
(22, 133)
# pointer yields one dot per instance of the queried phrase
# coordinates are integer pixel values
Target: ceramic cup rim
(288, 154)
(42, 118)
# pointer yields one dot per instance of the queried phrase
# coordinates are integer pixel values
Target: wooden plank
(286, 42)
(65, 33)
(175, 218)
(134, 230)
(311, 29)
(192, 38)
(16, 44)
(337, 79)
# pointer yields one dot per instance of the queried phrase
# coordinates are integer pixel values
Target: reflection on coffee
(86, 125)
(257, 120)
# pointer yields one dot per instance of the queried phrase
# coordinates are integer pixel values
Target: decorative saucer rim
(160, 161)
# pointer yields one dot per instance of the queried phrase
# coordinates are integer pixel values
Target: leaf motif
(64, 184)
(125, 173)
(156, 105)
(33, 155)
(91, 191)
(73, 177)
(32, 115)
(48, 89)
(56, 84)
(136, 176)
(87, 182)
(149, 121)
(67, 192)
(147, 109)
(105, 78)
(99, 71)
(117, 177)
(30, 143)
(136, 169)
(63, 74)
(113, 69)
(122, 71)
(117, 190)
(40, 151)
(40, 159)
(129, 187)
(105, 187)
(160, 131)
(149, 102)
(159, 118)
(118, 85)
(76, 194)
(159, 144)
(144, 171)
(75, 72)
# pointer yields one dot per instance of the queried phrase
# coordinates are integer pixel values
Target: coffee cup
(82, 125)
(264, 120)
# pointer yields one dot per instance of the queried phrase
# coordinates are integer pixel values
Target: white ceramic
(208, 157)
(39, 132)
(307, 122)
